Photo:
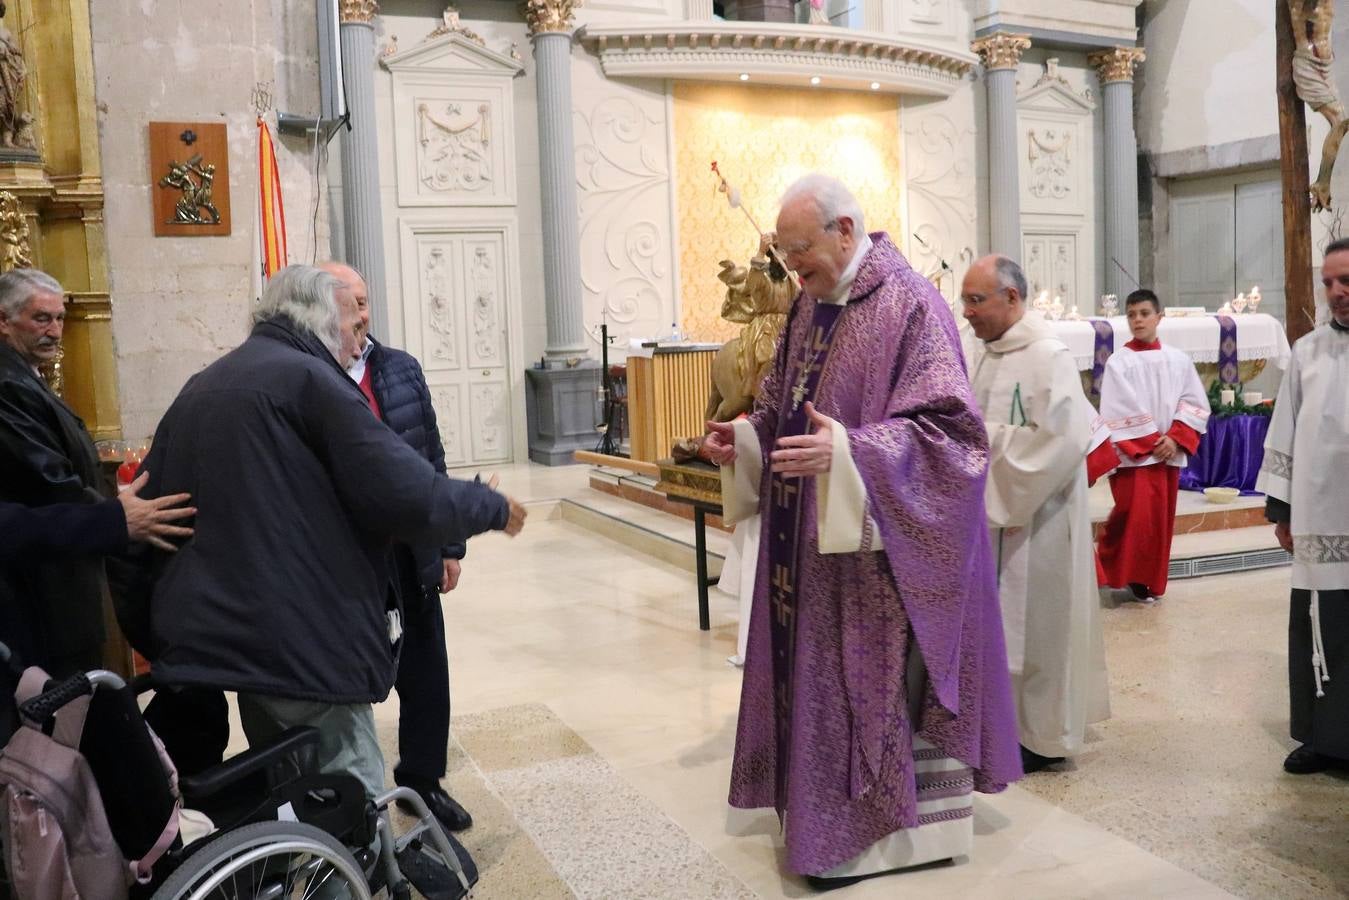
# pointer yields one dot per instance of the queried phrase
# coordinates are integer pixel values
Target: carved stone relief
(926, 12)
(623, 176)
(453, 152)
(441, 340)
(1051, 265)
(491, 418)
(485, 300)
(940, 169)
(447, 400)
(1050, 155)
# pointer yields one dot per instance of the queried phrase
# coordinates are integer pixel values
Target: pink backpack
(58, 844)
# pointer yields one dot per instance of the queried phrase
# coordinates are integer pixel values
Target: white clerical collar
(839, 296)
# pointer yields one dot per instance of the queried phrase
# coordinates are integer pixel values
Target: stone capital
(1001, 50)
(358, 11)
(1116, 64)
(549, 16)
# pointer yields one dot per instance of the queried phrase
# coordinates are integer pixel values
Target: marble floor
(1179, 795)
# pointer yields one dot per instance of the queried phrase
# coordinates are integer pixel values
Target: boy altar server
(1156, 408)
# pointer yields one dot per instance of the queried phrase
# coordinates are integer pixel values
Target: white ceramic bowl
(1221, 494)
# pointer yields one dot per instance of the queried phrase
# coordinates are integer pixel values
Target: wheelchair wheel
(268, 861)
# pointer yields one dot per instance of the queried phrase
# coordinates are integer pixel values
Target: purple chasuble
(825, 734)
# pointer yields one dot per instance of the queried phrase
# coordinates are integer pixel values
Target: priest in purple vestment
(876, 693)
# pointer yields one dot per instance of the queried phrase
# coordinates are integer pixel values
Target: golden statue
(14, 251)
(758, 298)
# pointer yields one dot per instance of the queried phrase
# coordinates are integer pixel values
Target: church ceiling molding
(790, 55)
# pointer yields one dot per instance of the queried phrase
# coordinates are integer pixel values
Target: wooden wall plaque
(190, 178)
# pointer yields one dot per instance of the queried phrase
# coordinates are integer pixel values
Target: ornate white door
(455, 308)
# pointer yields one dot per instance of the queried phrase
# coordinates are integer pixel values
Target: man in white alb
(1040, 430)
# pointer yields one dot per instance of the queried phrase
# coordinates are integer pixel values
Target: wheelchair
(277, 828)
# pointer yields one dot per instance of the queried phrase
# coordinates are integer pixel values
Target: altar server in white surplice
(1040, 432)
(1307, 497)
(1155, 405)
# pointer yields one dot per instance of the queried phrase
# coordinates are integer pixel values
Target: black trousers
(423, 685)
(1320, 722)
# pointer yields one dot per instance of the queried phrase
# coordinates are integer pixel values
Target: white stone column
(550, 28)
(362, 220)
(1116, 70)
(1001, 52)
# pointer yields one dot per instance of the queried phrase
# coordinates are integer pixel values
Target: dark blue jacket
(283, 588)
(404, 400)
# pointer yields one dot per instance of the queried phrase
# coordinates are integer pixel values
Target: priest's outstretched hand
(719, 445)
(807, 454)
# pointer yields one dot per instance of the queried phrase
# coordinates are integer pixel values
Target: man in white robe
(1039, 432)
(1303, 478)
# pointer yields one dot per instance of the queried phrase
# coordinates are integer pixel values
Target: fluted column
(1116, 70)
(362, 222)
(550, 28)
(1000, 53)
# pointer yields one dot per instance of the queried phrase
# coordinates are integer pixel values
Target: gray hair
(18, 286)
(308, 297)
(832, 198)
(1010, 275)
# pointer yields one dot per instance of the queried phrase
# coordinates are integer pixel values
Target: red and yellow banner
(272, 235)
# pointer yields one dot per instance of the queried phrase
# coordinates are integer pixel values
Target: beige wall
(1209, 75)
(179, 303)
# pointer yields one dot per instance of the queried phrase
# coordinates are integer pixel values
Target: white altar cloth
(1259, 336)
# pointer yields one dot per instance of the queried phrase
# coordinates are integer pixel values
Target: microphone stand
(607, 445)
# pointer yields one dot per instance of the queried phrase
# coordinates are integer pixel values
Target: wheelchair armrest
(251, 761)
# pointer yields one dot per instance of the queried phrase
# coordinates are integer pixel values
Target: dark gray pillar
(1116, 70)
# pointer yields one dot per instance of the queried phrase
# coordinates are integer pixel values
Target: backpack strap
(142, 869)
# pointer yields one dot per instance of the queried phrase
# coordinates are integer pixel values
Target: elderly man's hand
(449, 576)
(151, 521)
(719, 445)
(808, 454)
(517, 520)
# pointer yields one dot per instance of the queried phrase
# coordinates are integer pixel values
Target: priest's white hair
(308, 297)
(832, 198)
(18, 286)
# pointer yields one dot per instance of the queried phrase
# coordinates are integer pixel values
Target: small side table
(699, 485)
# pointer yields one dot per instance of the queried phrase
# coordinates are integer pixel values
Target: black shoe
(833, 884)
(451, 815)
(431, 877)
(1306, 761)
(1032, 762)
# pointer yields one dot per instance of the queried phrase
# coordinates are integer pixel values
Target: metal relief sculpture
(196, 182)
(453, 150)
(1315, 82)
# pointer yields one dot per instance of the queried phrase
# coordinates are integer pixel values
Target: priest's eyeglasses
(801, 248)
(974, 301)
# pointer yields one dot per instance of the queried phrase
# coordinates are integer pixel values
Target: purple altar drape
(1229, 455)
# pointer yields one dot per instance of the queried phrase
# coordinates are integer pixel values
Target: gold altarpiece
(61, 196)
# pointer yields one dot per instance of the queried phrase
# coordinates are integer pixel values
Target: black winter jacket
(283, 590)
(404, 400)
(51, 610)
